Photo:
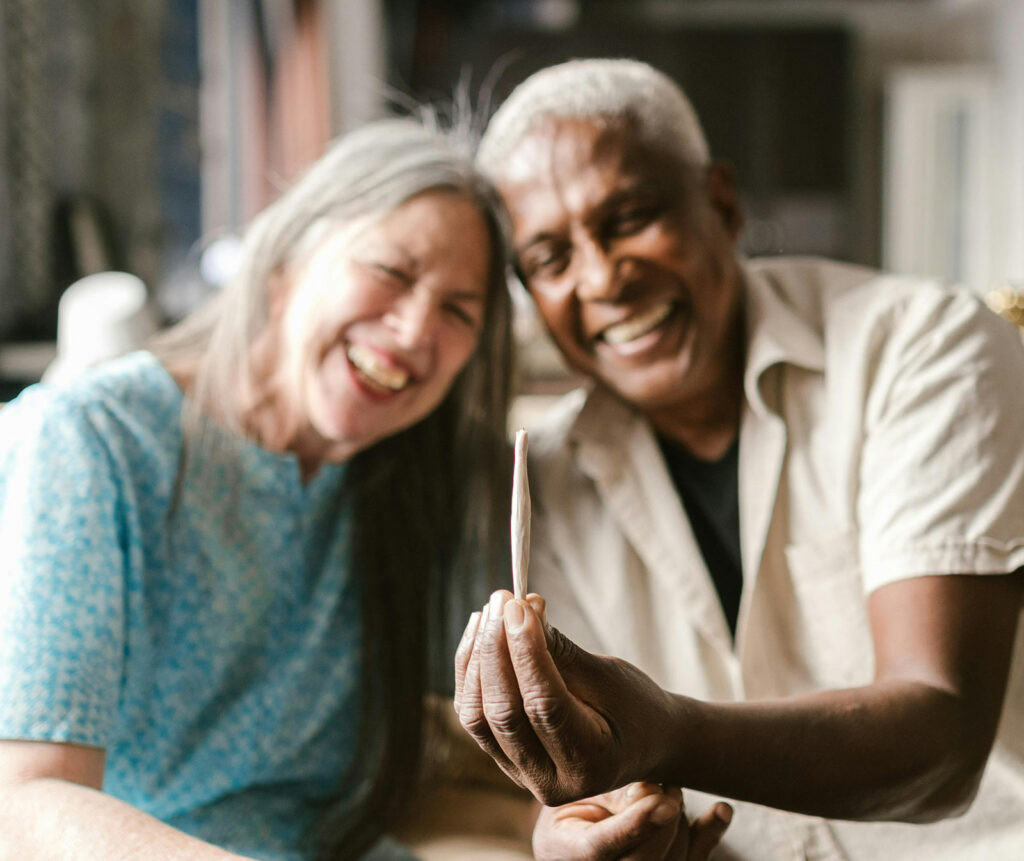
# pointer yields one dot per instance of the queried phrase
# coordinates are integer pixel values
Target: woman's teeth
(637, 325)
(368, 362)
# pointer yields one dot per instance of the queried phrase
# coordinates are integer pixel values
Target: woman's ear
(279, 287)
(724, 197)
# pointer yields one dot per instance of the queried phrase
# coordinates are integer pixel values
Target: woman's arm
(910, 746)
(52, 807)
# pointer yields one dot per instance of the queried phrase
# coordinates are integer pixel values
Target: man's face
(630, 258)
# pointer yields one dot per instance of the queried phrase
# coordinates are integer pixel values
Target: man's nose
(596, 274)
(414, 320)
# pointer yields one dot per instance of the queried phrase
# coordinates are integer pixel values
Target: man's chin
(656, 388)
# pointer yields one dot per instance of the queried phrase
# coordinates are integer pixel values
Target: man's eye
(546, 262)
(630, 221)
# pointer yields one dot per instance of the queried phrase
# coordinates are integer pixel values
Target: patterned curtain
(26, 280)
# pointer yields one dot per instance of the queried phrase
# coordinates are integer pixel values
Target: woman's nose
(414, 320)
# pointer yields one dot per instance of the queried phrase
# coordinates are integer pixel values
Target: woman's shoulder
(129, 404)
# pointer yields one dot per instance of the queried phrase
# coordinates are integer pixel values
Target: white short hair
(658, 111)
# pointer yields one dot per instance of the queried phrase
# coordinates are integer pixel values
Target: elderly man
(792, 500)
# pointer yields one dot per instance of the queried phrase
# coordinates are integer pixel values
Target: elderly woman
(219, 558)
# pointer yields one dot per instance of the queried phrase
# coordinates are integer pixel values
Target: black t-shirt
(709, 490)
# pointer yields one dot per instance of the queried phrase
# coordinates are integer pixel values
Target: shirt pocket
(832, 627)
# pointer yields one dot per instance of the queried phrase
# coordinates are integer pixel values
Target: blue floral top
(202, 627)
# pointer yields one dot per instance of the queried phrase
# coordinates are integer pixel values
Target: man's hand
(561, 722)
(639, 822)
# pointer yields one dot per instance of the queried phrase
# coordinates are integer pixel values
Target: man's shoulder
(809, 286)
(834, 297)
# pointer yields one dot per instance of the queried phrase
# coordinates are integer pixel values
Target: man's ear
(724, 197)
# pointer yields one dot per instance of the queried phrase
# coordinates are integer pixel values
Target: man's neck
(707, 436)
(708, 423)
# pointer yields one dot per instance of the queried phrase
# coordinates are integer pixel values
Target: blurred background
(141, 135)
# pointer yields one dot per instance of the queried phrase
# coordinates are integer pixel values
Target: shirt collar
(776, 333)
(603, 420)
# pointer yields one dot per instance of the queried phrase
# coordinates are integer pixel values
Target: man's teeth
(637, 325)
(369, 363)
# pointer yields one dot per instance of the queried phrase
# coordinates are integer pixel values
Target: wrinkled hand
(561, 722)
(639, 822)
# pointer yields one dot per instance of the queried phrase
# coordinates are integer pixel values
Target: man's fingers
(463, 654)
(470, 706)
(706, 831)
(618, 800)
(563, 725)
(643, 830)
(503, 704)
(540, 606)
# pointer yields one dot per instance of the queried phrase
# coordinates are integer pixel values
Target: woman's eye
(392, 272)
(461, 314)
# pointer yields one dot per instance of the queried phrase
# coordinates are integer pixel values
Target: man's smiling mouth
(638, 325)
(370, 366)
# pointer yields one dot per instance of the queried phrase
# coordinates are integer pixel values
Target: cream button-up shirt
(882, 438)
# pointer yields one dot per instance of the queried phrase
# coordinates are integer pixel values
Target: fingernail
(497, 599)
(485, 616)
(634, 791)
(724, 813)
(539, 605)
(664, 813)
(515, 616)
(471, 627)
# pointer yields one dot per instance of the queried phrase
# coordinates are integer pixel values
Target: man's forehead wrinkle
(566, 169)
(536, 170)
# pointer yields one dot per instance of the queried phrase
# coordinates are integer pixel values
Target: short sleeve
(61, 574)
(942, 466)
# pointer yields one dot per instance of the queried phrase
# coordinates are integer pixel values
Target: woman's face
(377, 322)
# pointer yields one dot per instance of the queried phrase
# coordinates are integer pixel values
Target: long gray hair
(429, 505)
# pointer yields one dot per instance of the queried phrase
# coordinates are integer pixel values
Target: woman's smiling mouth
(376, 372)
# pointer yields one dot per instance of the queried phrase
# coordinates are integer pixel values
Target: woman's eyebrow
(466, 295)
(386, 246)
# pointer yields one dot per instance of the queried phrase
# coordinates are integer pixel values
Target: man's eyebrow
(636, 190)
(539, 239)
(628, 194)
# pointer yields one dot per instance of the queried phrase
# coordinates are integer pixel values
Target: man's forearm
(46, 819)
(896, 750)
